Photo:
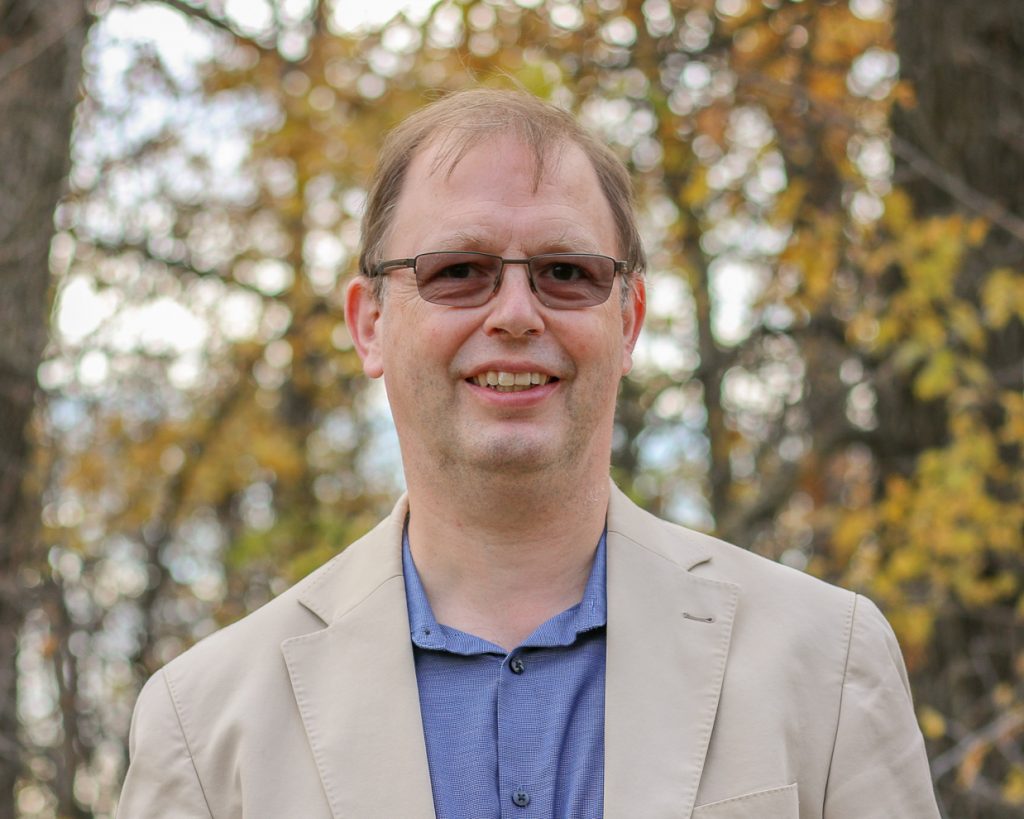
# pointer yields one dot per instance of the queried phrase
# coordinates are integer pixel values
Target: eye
(452, 267)
(566, 272)
(463, 270)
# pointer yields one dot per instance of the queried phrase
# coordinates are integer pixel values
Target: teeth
(510, 382)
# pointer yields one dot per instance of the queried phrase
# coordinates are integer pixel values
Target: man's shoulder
(253, 643)
(760, 581)
(243, 653)
(788, 630)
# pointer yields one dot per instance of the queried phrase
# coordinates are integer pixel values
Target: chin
(523, 455)
(505, 460)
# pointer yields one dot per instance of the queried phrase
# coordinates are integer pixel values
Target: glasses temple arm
(380, 267)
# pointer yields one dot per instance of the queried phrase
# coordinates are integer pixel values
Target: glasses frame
(619, 267)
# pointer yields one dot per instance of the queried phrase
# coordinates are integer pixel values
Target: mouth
(502, 381)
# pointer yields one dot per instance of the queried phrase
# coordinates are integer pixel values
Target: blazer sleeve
(162, 781)
(879, 768)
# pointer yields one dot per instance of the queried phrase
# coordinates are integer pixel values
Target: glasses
(566, 281)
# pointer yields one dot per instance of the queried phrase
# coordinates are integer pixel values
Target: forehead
(445, 150)
(503, 190)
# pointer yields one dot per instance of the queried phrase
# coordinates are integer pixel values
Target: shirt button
(517, 666)
(520, 798)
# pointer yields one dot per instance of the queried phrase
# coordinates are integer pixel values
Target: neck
(500, 556)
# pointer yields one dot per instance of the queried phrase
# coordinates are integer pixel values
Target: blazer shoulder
(253, 643)
(766, 587)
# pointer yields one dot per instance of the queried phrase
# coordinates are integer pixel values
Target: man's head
(465, 119)
(509, 368)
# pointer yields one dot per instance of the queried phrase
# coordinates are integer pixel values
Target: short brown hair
(464, 119)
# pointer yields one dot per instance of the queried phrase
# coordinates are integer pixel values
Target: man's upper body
(736, 687)
(500, 298)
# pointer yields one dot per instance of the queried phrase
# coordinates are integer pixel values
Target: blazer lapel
(355, 683)
(667, 645)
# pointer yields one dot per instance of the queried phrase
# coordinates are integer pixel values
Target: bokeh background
(832, 372)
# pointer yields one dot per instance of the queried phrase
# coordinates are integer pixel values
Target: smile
(510, 382)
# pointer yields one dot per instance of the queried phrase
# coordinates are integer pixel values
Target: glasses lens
(455, 278)
(571, 280)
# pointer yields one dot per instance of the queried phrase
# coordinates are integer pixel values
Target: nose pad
(512, 310)
(500, 280)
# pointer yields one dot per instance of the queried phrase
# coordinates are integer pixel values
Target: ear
(633, 312)
(363, 316)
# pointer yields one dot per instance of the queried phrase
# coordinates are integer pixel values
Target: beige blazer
(735, 688)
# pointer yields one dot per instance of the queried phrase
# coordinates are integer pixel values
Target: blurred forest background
(832, 373)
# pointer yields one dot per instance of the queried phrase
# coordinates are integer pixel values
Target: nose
(514, 310)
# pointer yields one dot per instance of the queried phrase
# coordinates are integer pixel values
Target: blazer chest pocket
(775, 803)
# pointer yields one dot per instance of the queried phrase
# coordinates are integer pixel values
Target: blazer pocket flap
(774, 803)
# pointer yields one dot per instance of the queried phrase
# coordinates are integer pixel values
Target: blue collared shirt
(517, 735)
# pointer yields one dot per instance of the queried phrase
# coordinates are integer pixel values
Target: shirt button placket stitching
(520, 797)
(505, 736)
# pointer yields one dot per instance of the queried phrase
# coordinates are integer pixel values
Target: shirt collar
(562, 629)
(423, 627)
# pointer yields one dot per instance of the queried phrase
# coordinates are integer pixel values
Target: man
(517, 639)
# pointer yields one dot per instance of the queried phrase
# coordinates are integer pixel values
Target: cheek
(438, 336)
(405, 328)
(446, 333)
(418, 344)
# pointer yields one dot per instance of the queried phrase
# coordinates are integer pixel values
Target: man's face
(435, 359)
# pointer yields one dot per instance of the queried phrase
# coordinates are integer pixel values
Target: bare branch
(1003, 725)
(957, 188)
(992, 64)
(178, 265)
(173, 501)
(200, 13)
(971, 198)
(72, 752)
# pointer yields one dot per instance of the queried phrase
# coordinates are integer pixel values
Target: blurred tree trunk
(40, 65)
(964, 59)
(960, 149)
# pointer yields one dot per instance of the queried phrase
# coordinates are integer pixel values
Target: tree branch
(181, 266)
(1002, 726)
(957, 188)
(171, 504)
(200, 13)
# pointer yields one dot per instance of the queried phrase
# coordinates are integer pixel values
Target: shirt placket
(517, 726)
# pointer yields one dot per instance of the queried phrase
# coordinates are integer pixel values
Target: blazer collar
(343, 583)
(668, 640)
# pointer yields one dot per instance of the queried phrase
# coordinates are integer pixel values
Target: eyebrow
(469, 240)
(463, 240)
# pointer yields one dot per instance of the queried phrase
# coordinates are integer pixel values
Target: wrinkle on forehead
(451, 147)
